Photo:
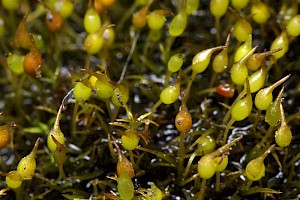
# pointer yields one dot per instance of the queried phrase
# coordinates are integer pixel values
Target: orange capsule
(32, 63)
(225, 90)
(4, 136)
(54, 21)
(183, 120)
(99, 7)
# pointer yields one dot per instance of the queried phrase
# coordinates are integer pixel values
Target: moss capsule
(202, 59)
(82, 92)
(171, 93)
(14, 179)
(15, 63)
(293, 26)
(4, 136)
(243, 49)
(280, 42)
(239, 4)
(222, 163)
(191, 6)
(32, 63)
(255, 61)
(255, 169)
(175, 62)
(93, 42)
(178, 24)
(241, 30)
(10, 4)
(218, 7)
(183, 120)
(55, 132)
(26, 166)
(130, 139)
(54, 21)
(64, 8)
(60, 153)
(242, 109)
(260, 12)
(139, 18)
(207, 144)
(239, 71)
(264, 97)
(225, 90)
(257, 79)
(156, 19)
(103, 89)
(207, 166)
(283, 135)
(91, 20)
(23, 38)
(273, 116)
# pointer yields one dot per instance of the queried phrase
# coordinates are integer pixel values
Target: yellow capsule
(281, 41)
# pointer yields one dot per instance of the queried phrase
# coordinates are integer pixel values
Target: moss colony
(147, 99)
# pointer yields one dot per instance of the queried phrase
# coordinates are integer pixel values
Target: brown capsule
(54, 21)
(126, 165)
(254, 61)
(183, 120)
(32, 63)
(22, 38)
(99, 7)
(139, 19)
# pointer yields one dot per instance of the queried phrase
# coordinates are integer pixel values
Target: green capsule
(171, 93)
(280, 42)
(239, 4)
(260, 12)
(91, 20)
(257, 79)
(14, 179)
(255, 169)
(15, 63)
(130, 139)
(207, 166)
(264, 96)
(192, 6)
(241, 30)
(242, 109)
(243, 49)
(93, 42)
(175, 62)
(178, 24)
(218, 7)
(82, 92)
(55, 132)
(273, 116)
(156, 19)
(202, 59)
(293, 26)
(26, 166)
(239, 71)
